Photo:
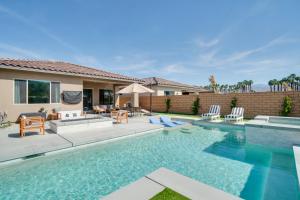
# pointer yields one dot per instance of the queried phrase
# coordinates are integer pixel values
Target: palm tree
(245, 85)
(291, 80)
(226, 88)
(250, 84)
(284, 84)
(275, 83)
(280, 84)
(213, 82)
(270, 83)
(240, 86)
(221, 88)
(298, 82)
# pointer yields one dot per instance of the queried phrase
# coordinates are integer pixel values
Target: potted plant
(43, 112)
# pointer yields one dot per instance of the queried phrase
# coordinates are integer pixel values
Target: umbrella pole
(150, 103)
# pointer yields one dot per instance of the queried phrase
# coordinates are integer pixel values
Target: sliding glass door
(87, 99)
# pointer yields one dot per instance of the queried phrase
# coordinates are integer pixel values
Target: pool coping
(72, 148)
(296, 150)
(153, 183)
(277, 126)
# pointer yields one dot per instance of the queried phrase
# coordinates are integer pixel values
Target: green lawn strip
(168, 194)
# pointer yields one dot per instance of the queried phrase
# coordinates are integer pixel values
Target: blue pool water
(218, 157)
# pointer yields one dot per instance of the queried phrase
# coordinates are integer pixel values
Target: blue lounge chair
(154, 120)
(166, 119)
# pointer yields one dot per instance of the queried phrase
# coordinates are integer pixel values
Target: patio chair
(167, 119)
(119, 115)
(213, 113)
(31, 123)
(237, 114)
(98, 110)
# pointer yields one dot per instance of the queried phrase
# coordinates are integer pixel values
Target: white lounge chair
(237, 114)
(213, 113)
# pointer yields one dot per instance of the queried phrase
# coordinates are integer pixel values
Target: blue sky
(179, 40)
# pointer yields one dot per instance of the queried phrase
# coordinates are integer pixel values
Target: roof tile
(64, 67)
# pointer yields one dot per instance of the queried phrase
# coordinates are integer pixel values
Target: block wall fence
(259, 103)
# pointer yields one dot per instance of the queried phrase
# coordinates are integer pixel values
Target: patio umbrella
(135, 89)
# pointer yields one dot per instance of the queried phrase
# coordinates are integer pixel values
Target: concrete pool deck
(13, 147)
(152, 184)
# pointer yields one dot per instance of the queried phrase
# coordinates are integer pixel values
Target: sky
(181, 40)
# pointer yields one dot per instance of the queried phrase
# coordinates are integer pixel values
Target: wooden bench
(31, 123)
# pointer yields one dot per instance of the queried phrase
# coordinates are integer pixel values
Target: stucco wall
(159, 90)
(7, 92)
(260, 103)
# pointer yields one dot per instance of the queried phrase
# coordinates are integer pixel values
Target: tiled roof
(62, 68)
(165, 82)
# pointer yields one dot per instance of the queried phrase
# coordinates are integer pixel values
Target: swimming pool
(219, 157)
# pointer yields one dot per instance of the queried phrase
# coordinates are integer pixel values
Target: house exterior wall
(7, 92)
(259, 103)
(67, 83)
(160, 90)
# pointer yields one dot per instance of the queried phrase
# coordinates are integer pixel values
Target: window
(34, 92)
(38, 92)
(106, 97)
(55, 92)
(169, 93)
(20, 91)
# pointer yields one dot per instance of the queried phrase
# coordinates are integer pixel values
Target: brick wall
(260, 103)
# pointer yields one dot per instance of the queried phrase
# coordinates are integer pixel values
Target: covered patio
(101, 92)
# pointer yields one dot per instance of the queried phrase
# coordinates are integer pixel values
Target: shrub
(287, 106)
(195, 106)
(168, 104)
(233, 102)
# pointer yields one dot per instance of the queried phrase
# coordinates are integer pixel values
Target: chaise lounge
(237, 114)
(213, 113)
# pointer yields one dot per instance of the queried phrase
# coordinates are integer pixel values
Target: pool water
(219, 157)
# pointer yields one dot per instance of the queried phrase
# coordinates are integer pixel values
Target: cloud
(206, 44)
(36, 26)
(173, 68)
(86, 60)
(277, 41)
(14, 51)
(73, 51)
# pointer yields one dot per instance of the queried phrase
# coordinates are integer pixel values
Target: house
(26, 86)
(164, 87)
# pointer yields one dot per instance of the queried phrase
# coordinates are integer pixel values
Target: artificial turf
(168, 194)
